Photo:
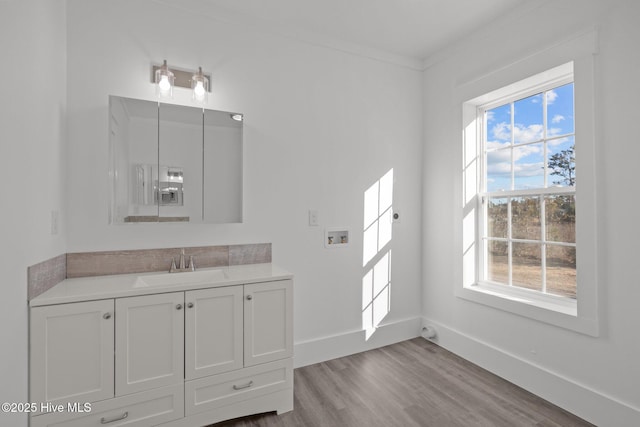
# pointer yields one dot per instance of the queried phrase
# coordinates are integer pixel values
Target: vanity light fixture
(200, 86)
(164, 79)
(237, 117)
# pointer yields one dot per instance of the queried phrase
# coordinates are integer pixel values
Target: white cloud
(499, 156)
(527, 133)
(501, 168)
(499, 161)
(556, 142)
(499, 164)
(553, 132)
(551, 96)
(557, 118)
(522, 170)
(521, 133)
(502, 131)
(536, 99)
(495, 145)
(526, 150)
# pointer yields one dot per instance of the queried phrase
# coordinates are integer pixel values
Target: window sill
(557, 311)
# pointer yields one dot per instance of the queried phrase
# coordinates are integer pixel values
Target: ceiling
(410, 29)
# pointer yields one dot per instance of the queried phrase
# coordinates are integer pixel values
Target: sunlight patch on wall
(376, 256)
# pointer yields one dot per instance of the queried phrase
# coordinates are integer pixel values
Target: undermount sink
(189, 277)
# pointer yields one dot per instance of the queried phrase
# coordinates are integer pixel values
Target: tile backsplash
(44, 275)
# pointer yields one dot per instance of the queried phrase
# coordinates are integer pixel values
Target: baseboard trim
(344, 344)
(583, 401)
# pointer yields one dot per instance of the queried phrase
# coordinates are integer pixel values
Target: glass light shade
(200, 86)
(164, 81)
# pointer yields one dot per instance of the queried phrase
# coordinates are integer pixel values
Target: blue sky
(528, 132)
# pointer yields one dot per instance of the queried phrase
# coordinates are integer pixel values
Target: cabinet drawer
(148, 408)
(212, 392)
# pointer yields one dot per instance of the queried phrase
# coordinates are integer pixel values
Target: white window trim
(581, 314)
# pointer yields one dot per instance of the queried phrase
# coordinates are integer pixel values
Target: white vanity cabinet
(214, 331)
(268, 327)
(249, 358)
(71, 348)
(149, 343)
(191, 357)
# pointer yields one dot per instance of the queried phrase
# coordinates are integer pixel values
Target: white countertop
(126, 285)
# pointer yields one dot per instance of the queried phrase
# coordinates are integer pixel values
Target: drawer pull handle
(104, 420)
(106, 316)
(240, 387)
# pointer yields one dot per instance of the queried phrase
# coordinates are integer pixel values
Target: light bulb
(164, 81)
(199, 91)
(164, 84)
(200, 86)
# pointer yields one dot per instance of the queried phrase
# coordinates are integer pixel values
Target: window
(528, 181)
(528, 216)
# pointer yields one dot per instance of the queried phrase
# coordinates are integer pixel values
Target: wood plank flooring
(412, 383)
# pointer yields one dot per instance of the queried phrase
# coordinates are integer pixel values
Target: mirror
(172, 163)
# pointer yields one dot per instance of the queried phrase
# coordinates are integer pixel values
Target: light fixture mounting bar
(182, 77)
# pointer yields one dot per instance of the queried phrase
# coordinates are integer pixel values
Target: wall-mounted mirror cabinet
(173, 163)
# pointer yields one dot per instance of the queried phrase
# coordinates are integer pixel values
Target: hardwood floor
(412, 383)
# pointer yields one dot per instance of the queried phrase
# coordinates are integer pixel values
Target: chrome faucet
(183, 266)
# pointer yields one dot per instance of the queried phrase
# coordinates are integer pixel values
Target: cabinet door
(268, 322)
(149, 342)
(213, 331)
(71, 352)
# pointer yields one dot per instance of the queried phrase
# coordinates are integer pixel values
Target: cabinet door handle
(106, 316)
(179, 307)
(240, 387)
(104, 420)
(249, 297)
(190, 305)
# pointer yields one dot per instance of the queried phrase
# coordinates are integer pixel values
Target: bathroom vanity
(181, 349)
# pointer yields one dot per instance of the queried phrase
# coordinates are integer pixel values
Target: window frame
(582, 314)
(563, 303)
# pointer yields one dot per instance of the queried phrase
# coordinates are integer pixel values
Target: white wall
(32, 119)
(595, 378)
(320, 127)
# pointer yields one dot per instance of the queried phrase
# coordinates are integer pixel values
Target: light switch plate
(54, 222)
(313, 217)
